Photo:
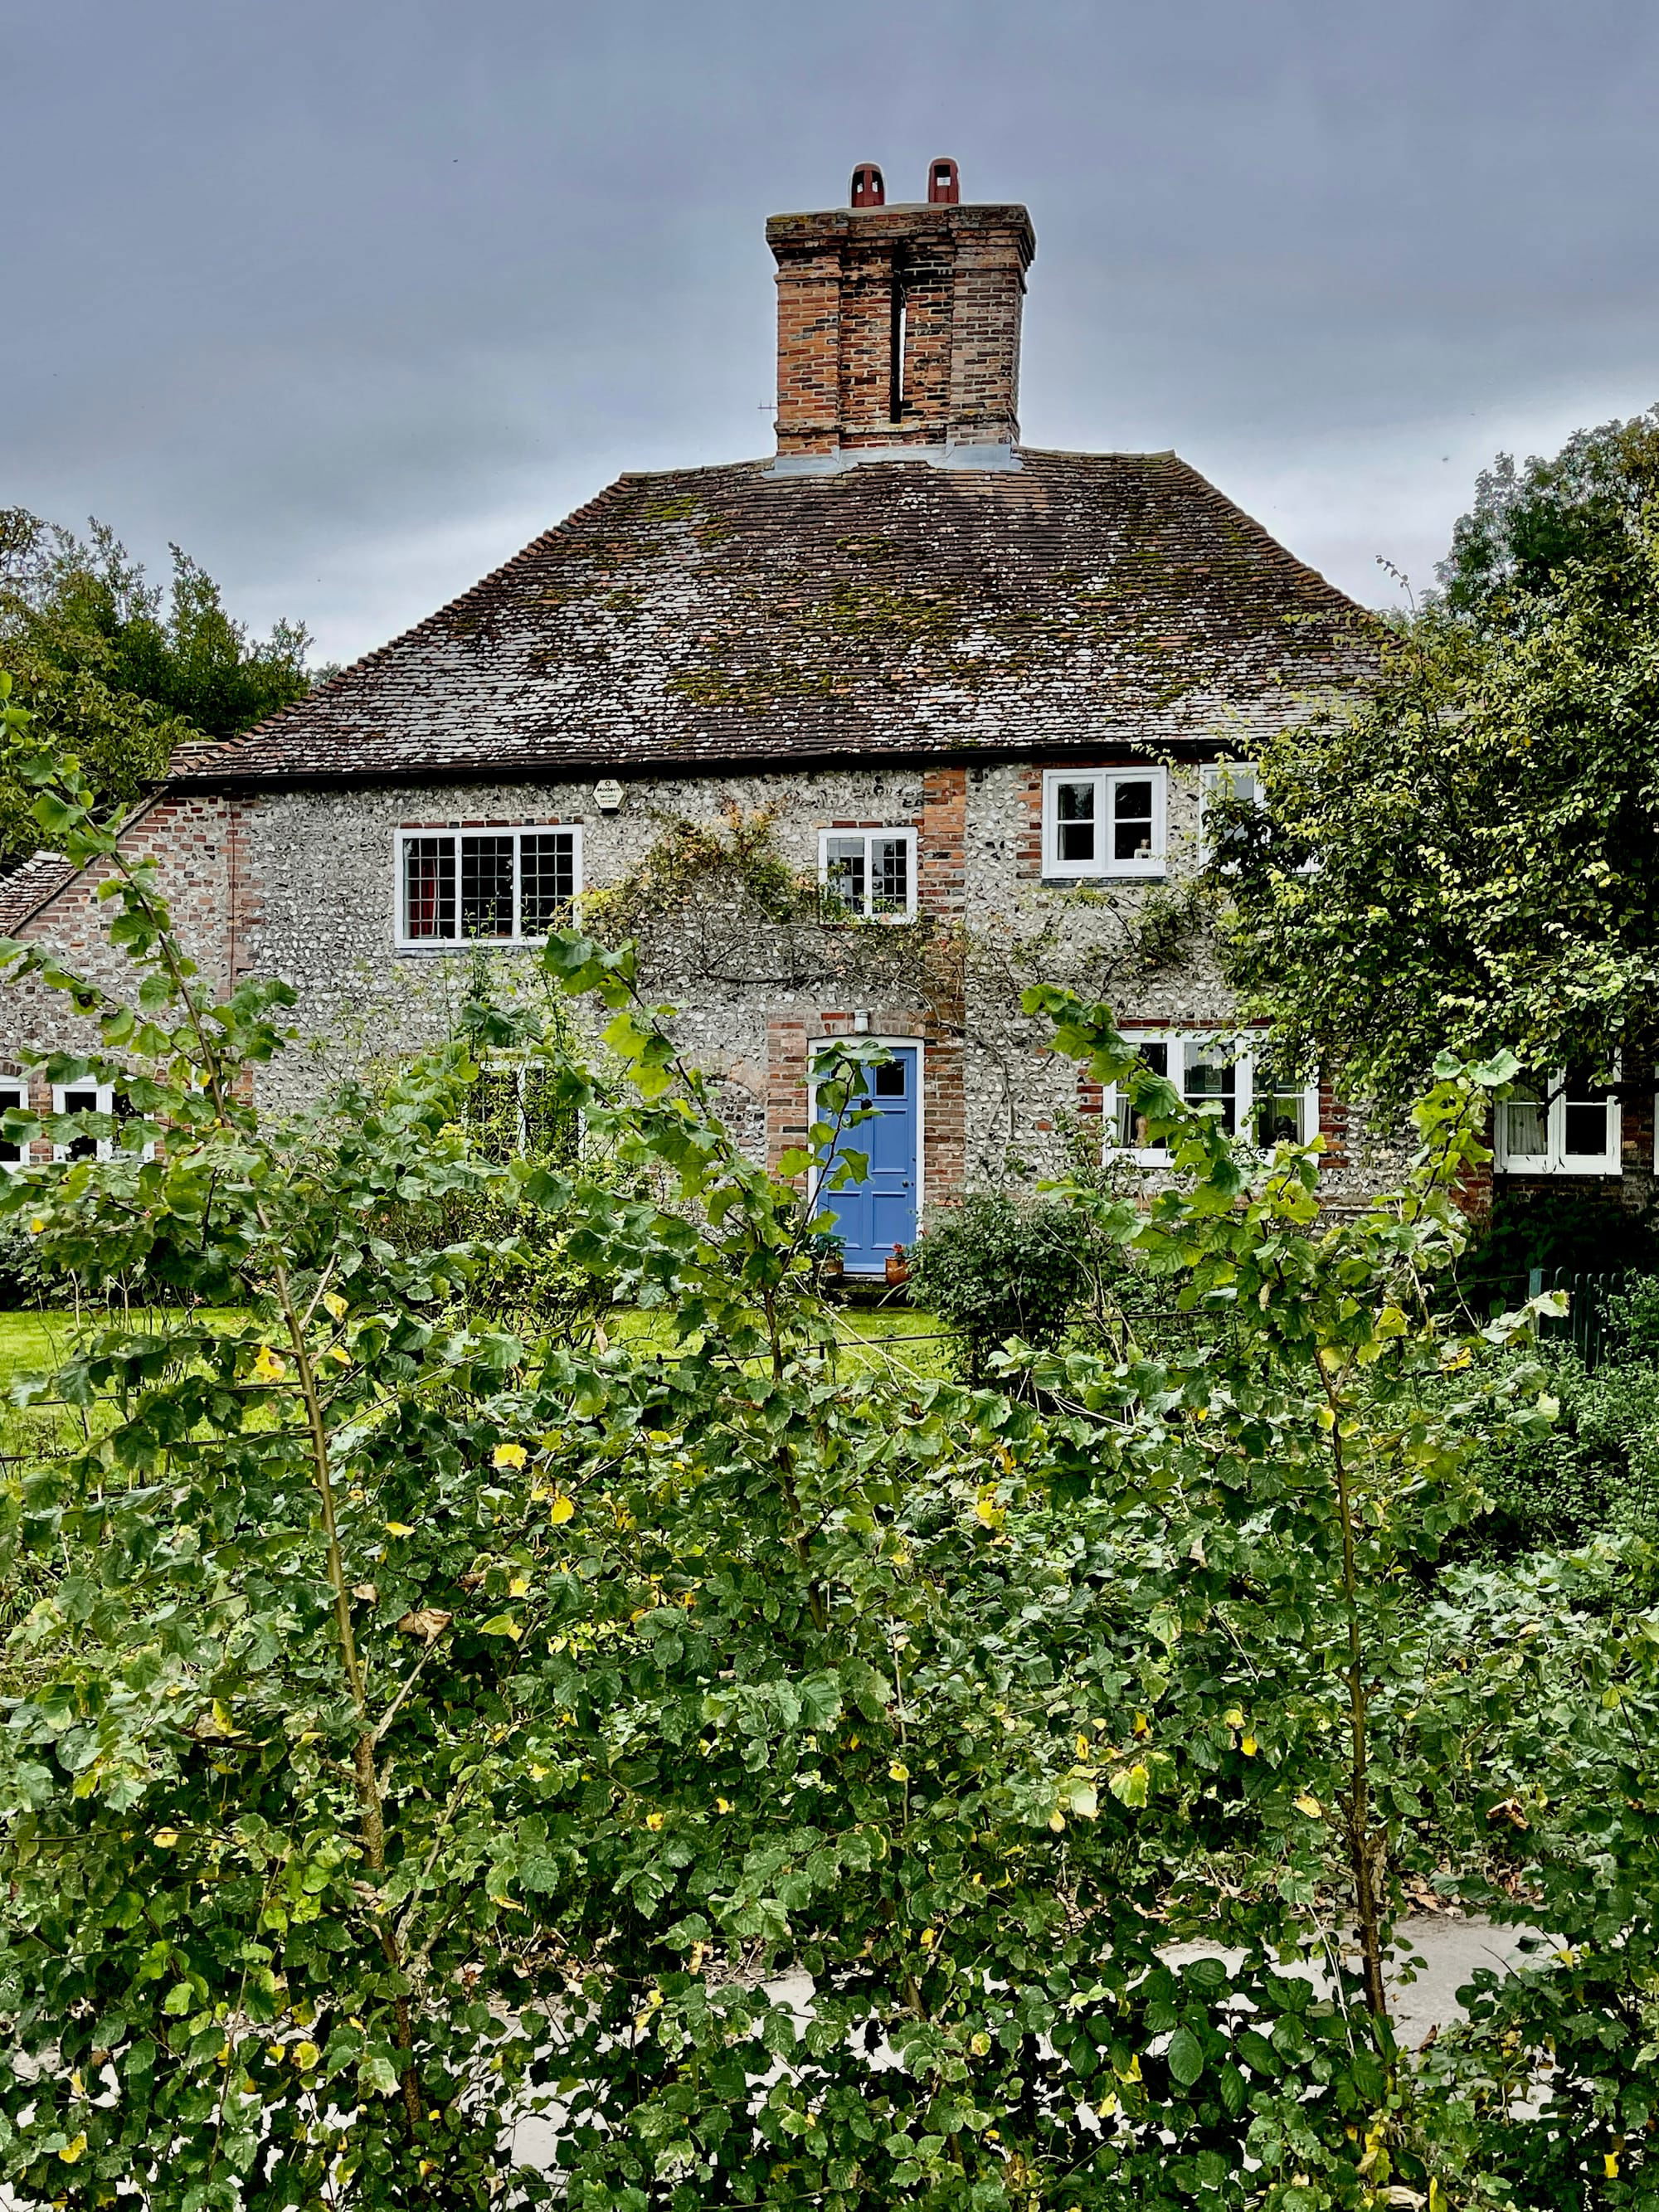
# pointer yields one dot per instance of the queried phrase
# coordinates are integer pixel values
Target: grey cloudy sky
(352, 297)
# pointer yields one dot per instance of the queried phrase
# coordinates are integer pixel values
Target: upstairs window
(872, 872)
(1248, 1096)
(487, 886)
(1103, 822)
(1224, 780)
(1563, 1122)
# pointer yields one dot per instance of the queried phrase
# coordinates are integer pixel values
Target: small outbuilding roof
(722, 617)
(30, 887)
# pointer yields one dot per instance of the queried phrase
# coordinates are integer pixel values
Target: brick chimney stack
(898, 328)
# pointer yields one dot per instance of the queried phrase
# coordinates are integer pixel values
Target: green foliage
(788, 1776)
(1484, 816)
(734, 865)
(996, 1267)
(1595, 1471)
(1584, 507)
(120, 677)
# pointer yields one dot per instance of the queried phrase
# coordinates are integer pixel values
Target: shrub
(1596, 1471)
(997, 1267)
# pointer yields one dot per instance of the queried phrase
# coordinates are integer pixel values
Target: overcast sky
(353, 297)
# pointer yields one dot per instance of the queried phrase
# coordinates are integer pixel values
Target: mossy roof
(723, 616)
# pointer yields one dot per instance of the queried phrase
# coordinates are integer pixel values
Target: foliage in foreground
(425, 1725)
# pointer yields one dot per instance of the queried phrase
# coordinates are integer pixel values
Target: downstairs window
(1562, 1122)
(1251, 1098)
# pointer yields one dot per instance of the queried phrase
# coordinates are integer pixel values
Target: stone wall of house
(199, 844)
(755, 995)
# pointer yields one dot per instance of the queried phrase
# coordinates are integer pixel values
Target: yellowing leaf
(509, 1455)
(36, 1226)
(987, 1510)
(1142, 1726)
(1132, 1785)
(1311, 1806)
(1233, 1717)
(399, 1529)
(928, 1939)
(305, 2055)
(722, 1804)
(1609, 2163)
(518, 1587)
(167, 1837)
(561, 1510)
(335, 1303)
(1056, 1821)
(653, 1820)
(1247, 1746)
(899, 1771)
(73, 2152)
(269, 1367)
(502, 1625)
(980, 2044)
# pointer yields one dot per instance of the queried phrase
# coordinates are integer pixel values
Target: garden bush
(996, 1267)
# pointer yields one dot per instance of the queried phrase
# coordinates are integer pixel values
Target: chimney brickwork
(899, 326)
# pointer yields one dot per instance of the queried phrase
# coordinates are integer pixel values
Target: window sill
(1555, 1172)
(1052, 883)
(430, 949)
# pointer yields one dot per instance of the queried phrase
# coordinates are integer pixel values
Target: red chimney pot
(868, 190)
(943, 184)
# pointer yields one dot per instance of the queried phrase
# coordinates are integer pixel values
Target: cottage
(973, 694)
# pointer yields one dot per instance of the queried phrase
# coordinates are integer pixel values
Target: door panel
(879, 1211)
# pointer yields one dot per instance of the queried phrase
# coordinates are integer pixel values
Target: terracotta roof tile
(722, 616)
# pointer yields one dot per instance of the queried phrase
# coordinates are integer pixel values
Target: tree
(120, 676)
(1584, 507)
(1461, 857)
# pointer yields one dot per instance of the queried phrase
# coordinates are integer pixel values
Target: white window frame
(14, 1098)
(105, 1095)
(1104, 867)
(1210, 775)
(499, 1064)
(1554, 1159)
(896, 836)
(517, 831)
(1247, 1055)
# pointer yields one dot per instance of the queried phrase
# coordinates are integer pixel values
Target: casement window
(83, 1098)
(515, 1111)
(485, 886)
(14, 1099)
(1249, 1097)
(872, 872)
(1224, 779)
(1103, 822)
(1563, 1122)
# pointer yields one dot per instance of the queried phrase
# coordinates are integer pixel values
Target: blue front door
(879, 1209)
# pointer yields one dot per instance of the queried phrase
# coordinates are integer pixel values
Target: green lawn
(32, 1342)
